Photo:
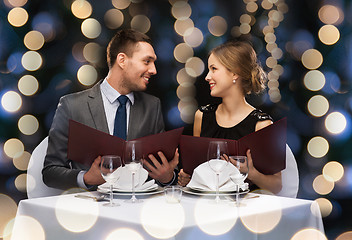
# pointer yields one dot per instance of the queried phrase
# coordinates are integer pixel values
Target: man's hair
(124, 41)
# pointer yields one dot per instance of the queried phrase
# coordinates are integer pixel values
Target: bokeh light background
(55, 47)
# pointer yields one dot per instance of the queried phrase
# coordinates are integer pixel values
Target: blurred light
(252, 7)
(322, 186)
(314, 80)
(87, 75)
(325, 206)
(11, 101)
(335, 123)
(183, 77)
(282, 7)
(28, 85)
(20, 182)
(235, 31)
(278, 69)
(333, 171)
(193, 37)
(245, 28)
(186, 91)
(276, 15)
(330, 14)
(194, 66)
(271, 46)
(45, 23)
(21, 162)
(345, 236)
(17, 3)
(217, 26)
(181, 26)
(93, 52)
(183, 52)
(263, 216)
(181, 10)
(81, 9)
(30, 229)
(318, 106)
(17, 17)
(188, 111)
(309, 234)
(28, 124)
(218, 219)
(13, 148)
(73, 215)
(270, 37)
(312, 59)
(274, 95)
(271, 62)
(161, 219)
(121, 4)
(318, 147)
(124, 233)
(302, 40)
(77, 51)
(8, 209)
(267, 5)
(277, 53)
(33, 40)
(329, 34)
(245, 18)
(91, 28)
(32, 61)
(268, 29)
(141, 23)
(113, 18)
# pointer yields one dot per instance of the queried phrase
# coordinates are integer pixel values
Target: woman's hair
(240, 58)
(124, 41)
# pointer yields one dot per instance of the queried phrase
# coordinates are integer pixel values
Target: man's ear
(121, 60)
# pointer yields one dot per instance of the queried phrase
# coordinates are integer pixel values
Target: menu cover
(86, 143)
(267, 145)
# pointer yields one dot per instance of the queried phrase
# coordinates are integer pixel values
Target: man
(130, 57)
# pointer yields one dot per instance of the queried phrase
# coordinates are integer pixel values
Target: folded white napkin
(204, 179)
(124, 180)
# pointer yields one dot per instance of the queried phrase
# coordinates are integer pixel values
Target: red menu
(86, 143)
(268, 148)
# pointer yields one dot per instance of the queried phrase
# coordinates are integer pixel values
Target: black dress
(210, 128)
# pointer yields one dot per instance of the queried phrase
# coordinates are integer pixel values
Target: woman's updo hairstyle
(240, 58)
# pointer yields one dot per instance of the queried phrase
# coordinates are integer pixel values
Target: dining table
(197, 216)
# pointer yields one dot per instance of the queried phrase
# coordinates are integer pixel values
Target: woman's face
(220, 79)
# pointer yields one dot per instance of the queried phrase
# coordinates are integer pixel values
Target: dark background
(57, 77)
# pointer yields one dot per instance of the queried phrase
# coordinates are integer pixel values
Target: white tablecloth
(263, 217)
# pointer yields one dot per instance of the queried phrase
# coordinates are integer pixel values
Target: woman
(233, 73)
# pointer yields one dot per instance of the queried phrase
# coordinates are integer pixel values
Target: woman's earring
(234, 81)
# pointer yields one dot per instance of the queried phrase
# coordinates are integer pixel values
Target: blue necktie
(121, 118)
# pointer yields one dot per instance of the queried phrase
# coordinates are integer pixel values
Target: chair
(35, 185)
(289, 176)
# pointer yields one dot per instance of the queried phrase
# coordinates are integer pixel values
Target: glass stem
(237, 195)
(217, 199)
(111, 195)
(133, 191)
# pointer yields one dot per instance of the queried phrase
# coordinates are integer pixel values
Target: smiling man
(130, 57)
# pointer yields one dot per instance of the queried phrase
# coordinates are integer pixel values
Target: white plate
(210, 193)
(149, 191)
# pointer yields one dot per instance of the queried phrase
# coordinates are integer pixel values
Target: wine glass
(241, 163)
(133, 162)
(109, 165)
(217, 160)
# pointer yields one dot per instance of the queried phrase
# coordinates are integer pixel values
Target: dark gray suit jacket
(87, 107)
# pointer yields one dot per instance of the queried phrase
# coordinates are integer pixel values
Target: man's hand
(163, 172)
(183, 178)
(93, 176)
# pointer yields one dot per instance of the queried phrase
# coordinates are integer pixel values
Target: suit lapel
(96, 107)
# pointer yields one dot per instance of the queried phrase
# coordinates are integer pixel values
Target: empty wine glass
(217, 160)
(109, 165)
(241, 163)
(133, 162)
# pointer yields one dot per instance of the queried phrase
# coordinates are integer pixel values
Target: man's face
(139, 68)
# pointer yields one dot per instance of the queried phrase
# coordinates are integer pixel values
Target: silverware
(93, 197)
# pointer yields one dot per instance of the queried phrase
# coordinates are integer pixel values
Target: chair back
(289, 176)
(35, 185)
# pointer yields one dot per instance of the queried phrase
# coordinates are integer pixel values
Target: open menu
(268, 148)
(86, 143)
